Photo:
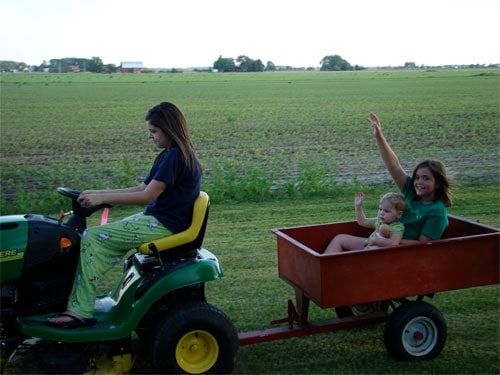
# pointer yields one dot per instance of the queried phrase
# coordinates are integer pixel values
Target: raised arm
(389, 157)
(360, 214)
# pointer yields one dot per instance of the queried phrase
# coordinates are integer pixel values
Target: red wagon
(362, 285)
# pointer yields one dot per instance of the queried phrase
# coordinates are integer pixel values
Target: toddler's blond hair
(397, 200)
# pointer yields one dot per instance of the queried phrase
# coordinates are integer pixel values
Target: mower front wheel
(195, 338)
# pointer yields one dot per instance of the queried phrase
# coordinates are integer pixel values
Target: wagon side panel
(300, 268)
(364, 276)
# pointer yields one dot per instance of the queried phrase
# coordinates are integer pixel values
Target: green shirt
(396, 227)
(428, 219)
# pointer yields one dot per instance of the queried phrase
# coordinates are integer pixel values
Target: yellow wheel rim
(197, 351)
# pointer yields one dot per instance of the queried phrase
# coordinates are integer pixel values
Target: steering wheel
(78, 209)
(67, 192)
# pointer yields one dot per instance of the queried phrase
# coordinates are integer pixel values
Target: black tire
(147, 326)
(415, 331)
(361, 309)
(144, 334)
(194, 338)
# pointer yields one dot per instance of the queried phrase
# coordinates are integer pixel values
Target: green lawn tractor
(160, 297)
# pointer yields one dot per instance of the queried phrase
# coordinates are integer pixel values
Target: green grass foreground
(252, 294)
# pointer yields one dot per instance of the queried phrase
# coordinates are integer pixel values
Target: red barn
(131, 67)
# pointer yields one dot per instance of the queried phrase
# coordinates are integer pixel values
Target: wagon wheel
(415, 331)
(194, 338)
(361, 309)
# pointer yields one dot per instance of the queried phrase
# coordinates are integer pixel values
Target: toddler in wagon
(388, 229)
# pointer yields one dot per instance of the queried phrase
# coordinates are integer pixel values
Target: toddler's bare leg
(344, 242)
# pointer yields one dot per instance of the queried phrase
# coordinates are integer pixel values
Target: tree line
(64, 65)
(246, 64)
(242, 63)
(95, 64)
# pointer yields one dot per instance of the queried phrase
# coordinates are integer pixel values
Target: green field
(278, 149)
(258, 135)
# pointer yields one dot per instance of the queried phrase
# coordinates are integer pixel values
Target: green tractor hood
(13, 242)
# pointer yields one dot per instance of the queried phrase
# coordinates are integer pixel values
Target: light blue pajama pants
(104, 246)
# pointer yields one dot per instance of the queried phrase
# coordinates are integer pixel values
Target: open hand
(375, 122)
(358, 200)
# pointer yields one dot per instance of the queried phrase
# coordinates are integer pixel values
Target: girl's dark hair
(438, 170)
(167, 117)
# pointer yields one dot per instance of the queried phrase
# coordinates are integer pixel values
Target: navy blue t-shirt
(174, 206)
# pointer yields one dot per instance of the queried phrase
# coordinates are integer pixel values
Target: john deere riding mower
(160, 296)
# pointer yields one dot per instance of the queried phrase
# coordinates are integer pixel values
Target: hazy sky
(193, 33)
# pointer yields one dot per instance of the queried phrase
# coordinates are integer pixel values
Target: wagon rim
(419, 336)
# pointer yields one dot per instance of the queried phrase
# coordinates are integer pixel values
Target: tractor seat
(190, 239)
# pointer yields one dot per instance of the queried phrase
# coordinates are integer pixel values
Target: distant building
(74, 68)
(131, 67)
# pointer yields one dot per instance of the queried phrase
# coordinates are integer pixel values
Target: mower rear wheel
(194, 338)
